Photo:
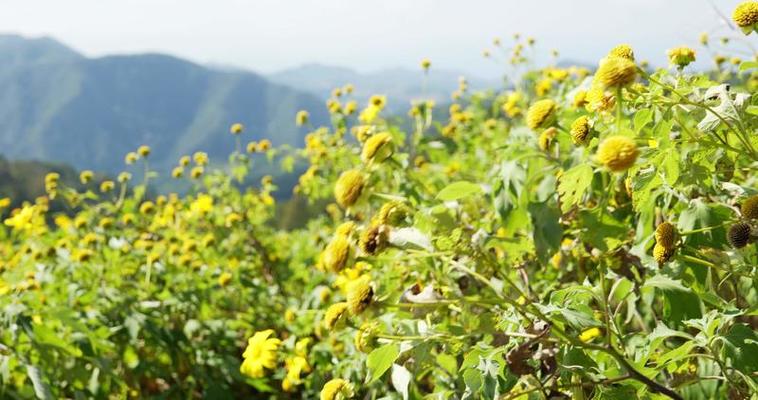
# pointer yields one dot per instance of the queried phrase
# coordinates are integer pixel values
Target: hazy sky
(266, 35)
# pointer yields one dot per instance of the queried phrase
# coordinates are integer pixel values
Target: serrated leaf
(458, 190)
(380, 360)
(573, 184)
(664, 282)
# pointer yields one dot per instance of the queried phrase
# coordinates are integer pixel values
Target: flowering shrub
(575, 236)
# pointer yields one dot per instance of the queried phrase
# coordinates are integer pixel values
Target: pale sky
(267, 35)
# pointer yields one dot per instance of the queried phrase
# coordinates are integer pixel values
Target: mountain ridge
(61, 106)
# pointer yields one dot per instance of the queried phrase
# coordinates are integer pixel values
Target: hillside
(400, 85)
(60, 106)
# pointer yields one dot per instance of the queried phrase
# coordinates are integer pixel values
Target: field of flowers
(581, 234)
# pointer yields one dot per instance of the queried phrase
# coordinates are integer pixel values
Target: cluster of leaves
(490, 255)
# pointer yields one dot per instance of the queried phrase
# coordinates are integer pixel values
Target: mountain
(57, 105)
(401, 86)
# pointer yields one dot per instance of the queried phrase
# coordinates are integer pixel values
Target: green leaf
(547, 231)
(670, 167)
(473, 380)
(664, 282)
(47, 337)
(573, 184)
(458, 190)
(741, 346)
(380, 360)
(642, 118)
(603, 232)
(131, 359)
(752, 110)
(746, 65)
(41, 389)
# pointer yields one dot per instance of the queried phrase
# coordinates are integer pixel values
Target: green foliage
(478, 260)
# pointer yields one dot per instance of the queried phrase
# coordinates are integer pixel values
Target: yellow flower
(745, 15)
(599, 100)
(295, 366)
(365, 336)
(749, 207)
(52, 177)
(425, 64)
(231, 219)
(224, 278)
(263, 146)
(202, 205)
(201, 158)
(350, 107)
(546, 138)
(147, 207)
(177, 172)
(106, 223)
(290, 315)
(334, 314)
(143, 151)
(236, 129)
(124, 177)
(5, 202)
(131, 158)
(681, 56)
(377, 148)
(259, 354)
(23, 219)
(540, 114)
(107, 186)
(252, 147)
(617, 153)
(589, 334)
(336, 254)
(580, 99)
(665, 235)
(197, 172)
(359, 295)
(348, 188)
(369, 114)
(374, 239)
(393, 213)
(378, 101)
(301, 118)
(615, 72)
(580, 130)
(184, 161)
(543, 87)
(661, 253)
(345, 229)
(623, 51)
(86, 176)
(336, 389)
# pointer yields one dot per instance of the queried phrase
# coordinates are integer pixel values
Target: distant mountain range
(57, 105)
(401, 86)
